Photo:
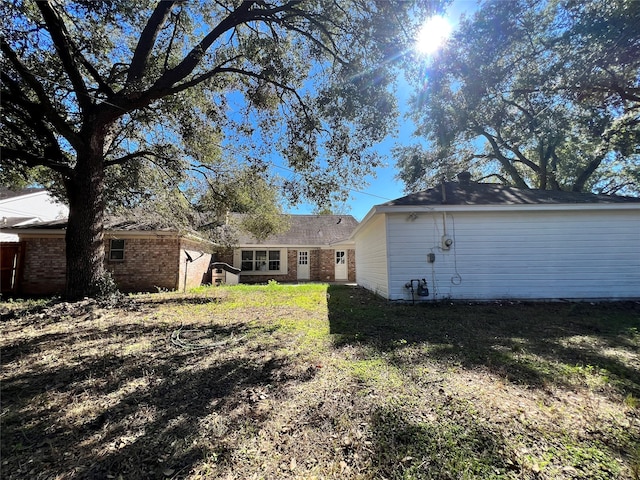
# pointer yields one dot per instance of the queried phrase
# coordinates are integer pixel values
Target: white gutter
(506, 208)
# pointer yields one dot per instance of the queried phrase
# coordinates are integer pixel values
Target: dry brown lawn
(318, 381)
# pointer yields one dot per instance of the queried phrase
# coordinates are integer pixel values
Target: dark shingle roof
(110, 223)
(308, 230)
(303, 229)
(454, 193)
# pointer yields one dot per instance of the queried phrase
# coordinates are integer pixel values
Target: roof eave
(108, 233)
(505, 207)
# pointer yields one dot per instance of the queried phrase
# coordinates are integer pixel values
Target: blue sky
(385, 187)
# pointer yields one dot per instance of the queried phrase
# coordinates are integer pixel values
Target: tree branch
(31, 160)
(519, 155)
(147, 40)
(191, 60)
(45, 106)
(67, 52)
(131, 156)
(504, 161)
(502, 179)
(241, 15)
(239, 71)
(578, 185)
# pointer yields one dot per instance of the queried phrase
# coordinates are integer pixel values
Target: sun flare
(433, 33)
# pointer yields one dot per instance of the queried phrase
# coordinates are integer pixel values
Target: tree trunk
(544, 161)
(85, 228)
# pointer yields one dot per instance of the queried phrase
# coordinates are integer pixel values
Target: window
(260, 260)
(116, 250)
(303, 258)
(340, 260)
(274, 260)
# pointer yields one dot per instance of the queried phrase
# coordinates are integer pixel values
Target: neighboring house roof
(131, 225)
(112, 225)
(308, 230)
(59, 224)
(26, 206)
(7, 193)
(115, 223)
(454, 193)
(303, 230)
(9, 222)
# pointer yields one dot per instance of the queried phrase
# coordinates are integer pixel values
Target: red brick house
(144, 257)
(141, 257)
(313, 248)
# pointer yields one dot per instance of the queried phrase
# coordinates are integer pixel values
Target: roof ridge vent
(464, 178)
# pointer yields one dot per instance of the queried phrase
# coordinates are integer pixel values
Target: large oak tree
(110, 100)
(534, 93)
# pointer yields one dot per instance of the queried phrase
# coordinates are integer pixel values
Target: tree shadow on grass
(110, 414)
(533, 344)
(448, 444)
(176, 299)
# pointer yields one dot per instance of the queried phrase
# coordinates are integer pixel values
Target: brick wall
(314, 264)
(321, 267)
(327, 272)
(149, 264)
(351, 263)
(44, 266)
(326, 265)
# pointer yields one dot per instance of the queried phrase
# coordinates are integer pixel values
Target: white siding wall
(519, 255)
(371, 256)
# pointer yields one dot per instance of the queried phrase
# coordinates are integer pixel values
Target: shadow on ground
(110, 414)
(533, 344)
(452, 441)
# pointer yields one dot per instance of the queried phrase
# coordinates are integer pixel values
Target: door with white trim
(303, 265)
(341, 265)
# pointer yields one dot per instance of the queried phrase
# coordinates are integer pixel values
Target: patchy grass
(318, 381)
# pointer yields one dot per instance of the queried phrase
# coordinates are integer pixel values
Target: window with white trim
(116, 249)
(260, 260)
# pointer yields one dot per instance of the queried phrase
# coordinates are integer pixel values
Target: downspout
(186, 270)
(187, 260)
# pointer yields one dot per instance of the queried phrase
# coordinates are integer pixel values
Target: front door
(303, 265)
(341, 265)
